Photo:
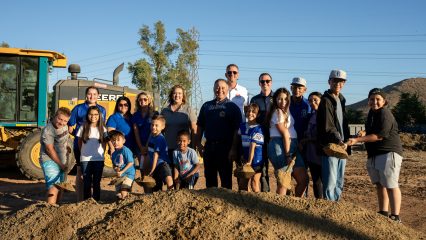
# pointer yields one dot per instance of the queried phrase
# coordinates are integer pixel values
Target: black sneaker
(384, 213)
(395, 218)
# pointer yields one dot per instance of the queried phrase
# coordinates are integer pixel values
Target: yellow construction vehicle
(24, 101)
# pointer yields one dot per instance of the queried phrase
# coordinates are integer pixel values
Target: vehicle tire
(28, 153)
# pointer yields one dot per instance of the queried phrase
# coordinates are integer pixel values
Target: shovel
(284, 177)
(65, 185)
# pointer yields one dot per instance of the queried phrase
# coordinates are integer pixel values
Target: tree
(409, 111)
(159, 71)
(355, 116)
(4, 44)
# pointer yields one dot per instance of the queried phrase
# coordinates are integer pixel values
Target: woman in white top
(92, 146)
(283, 141)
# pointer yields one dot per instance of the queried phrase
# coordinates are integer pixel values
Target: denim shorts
(384, 169)
(52, 173)
(277, 156)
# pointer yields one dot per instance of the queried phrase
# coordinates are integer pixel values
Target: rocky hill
(410, 85)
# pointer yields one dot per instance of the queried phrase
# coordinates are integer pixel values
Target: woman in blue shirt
(121, 120)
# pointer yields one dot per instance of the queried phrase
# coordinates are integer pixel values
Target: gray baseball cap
(299, 81)
(339, 74)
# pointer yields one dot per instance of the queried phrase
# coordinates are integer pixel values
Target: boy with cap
(300, 110)
(332, 127)
(299, 106)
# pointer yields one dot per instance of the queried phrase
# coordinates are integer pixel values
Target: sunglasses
(143, 99)
(123, 105)
(232, 72)
(265, 81)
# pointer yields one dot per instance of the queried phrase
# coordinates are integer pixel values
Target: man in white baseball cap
(333, 127)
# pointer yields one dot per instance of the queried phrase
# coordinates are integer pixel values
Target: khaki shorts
(384, 169)
(125, 185)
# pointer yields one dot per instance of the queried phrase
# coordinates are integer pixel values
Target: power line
(315, 57)
(319, 36)
(317, 53)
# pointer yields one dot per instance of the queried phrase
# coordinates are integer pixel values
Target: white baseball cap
(299, 81)
(340, 74)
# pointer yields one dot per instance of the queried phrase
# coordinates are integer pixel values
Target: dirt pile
(203, 214)
(413, 141)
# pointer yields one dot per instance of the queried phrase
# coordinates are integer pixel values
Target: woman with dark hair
(283, 142)
(384, 150)
(141, 121)
(78, 116)
(309, 143)
(121, 120)
(179, 116)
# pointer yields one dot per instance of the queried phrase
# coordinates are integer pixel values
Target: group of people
(275, 127)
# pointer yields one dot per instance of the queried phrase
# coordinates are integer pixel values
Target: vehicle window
(28, 89)
(8, 87)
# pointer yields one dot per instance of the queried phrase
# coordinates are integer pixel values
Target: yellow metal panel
(58, 59)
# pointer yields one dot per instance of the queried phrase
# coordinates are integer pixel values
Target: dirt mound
(203, 214)
(413, 141)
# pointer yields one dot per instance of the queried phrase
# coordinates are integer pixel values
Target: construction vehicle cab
(24, 101)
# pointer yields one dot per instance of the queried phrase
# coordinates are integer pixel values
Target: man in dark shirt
(219, 120)
(264, 100)
(332, 127)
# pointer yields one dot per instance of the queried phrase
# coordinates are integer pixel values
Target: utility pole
(196, 95)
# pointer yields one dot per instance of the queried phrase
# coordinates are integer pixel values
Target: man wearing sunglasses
(264, 100)
(237, 93)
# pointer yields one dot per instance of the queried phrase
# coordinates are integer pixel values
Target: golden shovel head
(146, 181)
(65, 186)
(335, 150)
(246, 171)
(284, 176)
(116, 181)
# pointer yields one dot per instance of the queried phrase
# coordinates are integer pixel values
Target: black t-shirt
(383, 124)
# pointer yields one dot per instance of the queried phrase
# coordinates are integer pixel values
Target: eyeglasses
(123, 105)
(232, 72)
(265, 81)
(143, 99)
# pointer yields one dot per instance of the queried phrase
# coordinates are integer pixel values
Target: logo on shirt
(222, 114)
(258, 137)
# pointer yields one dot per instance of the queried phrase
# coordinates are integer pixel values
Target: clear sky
(377, 42)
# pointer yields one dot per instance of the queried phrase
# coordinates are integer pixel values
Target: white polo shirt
(239, 96)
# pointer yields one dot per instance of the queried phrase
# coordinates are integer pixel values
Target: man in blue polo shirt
(219, 120)
(264, 100)
(78, 116)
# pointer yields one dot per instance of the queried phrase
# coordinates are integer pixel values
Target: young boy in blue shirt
(252, 141)
(158, 158)
(122, 159)
(186, 165)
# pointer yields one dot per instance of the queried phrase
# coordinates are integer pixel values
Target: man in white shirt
(237, 93)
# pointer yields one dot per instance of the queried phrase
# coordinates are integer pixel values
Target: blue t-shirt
(300, 111)
(78, 115)
(252, 134)
(158, 144)
(219, 120)
(185, 162)
(144, 126)
(123, 125)
(120, 158)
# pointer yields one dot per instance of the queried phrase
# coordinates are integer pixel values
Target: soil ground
(216, 213)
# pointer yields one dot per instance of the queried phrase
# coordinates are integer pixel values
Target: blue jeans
(92, 174)
(333, 171)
